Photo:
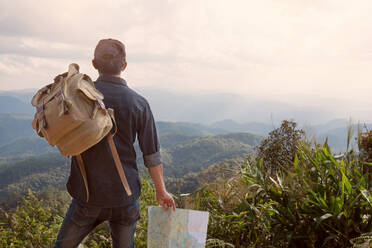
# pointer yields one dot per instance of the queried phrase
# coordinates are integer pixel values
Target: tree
(279, 148)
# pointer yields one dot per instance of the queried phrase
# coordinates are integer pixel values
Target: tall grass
(319, 202)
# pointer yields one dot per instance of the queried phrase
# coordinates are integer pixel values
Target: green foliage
(365, 150)
(148, 198)
(319, 202)
(193, 180)
(214, 243)
(31, 225)
(35, 222)
(311, 200)
(99, 238)
(279, 148)
(365, 145)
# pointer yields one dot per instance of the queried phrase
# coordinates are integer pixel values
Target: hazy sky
(310, 52)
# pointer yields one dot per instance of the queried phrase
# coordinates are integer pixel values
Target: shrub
(35, 222)
(365, 149)
(31, 225)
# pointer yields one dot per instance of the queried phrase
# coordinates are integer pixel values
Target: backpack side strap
(83, 173)
(118, 165)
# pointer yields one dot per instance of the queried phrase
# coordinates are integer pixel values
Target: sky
(311, 53)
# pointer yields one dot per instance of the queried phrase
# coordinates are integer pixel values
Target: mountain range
(191, 151)
(17, 137)
(208, 107)
(29, 162)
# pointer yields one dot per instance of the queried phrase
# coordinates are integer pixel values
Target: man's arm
(150, 147)
(163, 197)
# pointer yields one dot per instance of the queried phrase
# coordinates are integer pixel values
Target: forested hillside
(35, 173)
(30, 162)
(13, 126)
(200, 152)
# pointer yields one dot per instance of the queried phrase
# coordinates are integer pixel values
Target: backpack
(72, 116)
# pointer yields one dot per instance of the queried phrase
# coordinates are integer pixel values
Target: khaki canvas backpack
(72, 116)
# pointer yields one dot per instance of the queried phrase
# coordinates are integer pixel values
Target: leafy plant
(31, 225)
(318, 202)
(35, 222)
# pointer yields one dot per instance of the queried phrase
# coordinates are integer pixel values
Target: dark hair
(109, 56)
(109, 66)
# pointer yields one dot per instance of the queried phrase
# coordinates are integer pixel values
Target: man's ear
(94, 64)
(124, 66)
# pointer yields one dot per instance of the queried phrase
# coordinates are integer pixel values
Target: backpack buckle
(41, 117)
(100, 102)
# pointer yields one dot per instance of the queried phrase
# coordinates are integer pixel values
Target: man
(108, 199)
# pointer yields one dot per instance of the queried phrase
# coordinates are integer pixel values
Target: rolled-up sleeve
(148, 138)
(152, 159)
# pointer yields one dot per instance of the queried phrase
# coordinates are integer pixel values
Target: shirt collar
(112, 79)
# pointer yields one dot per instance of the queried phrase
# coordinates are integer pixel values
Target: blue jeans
(80, 220)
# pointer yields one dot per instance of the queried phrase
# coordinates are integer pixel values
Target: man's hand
(165, 200)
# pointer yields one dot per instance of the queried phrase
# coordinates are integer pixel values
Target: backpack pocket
(58, 121)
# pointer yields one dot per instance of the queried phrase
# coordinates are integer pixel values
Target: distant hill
(24, 95)
(26, 146)
(188, 128)
(171, 139)
(183, 155)
(15, 126)
(188, 149)
(37, 173)
(201, 152)
(252, 127)
(209, 107)
(18, 124)
(243, 137)
(10, 104)
(18, 138)
(335, 130)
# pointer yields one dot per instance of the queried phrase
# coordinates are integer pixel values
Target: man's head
(109, 57)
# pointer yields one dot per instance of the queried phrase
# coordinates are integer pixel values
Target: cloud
(36, 47)
(265, 48)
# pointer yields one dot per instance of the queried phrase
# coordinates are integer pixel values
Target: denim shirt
(134, 119)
